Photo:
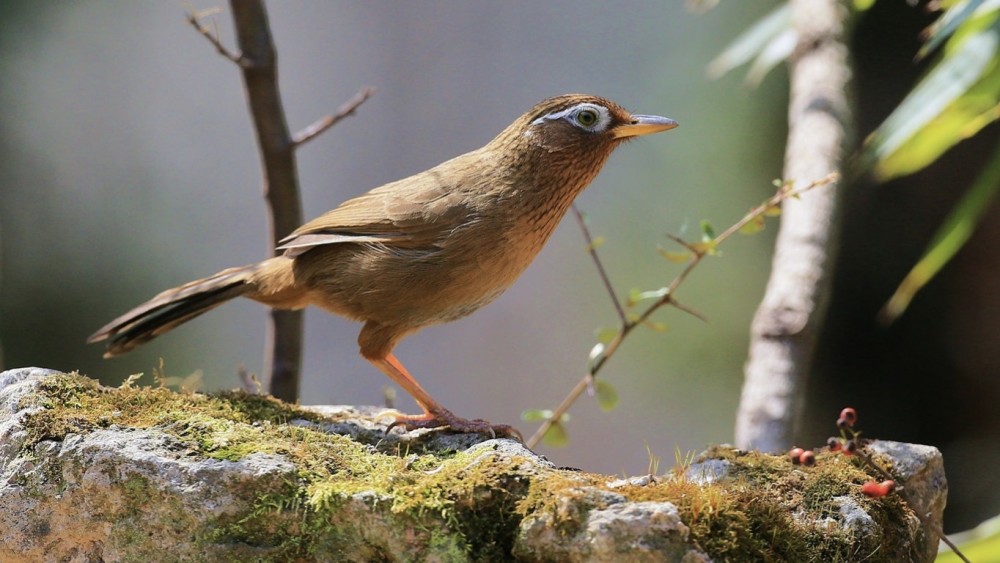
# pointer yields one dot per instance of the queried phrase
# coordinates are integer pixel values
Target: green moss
(387, 496)
(765, 510)
(303, 518)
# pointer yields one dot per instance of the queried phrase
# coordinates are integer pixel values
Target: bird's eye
(591, 118)
(587, 117)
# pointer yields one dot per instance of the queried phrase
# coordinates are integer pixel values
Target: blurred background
(128, 166)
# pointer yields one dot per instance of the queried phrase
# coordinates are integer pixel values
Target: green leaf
(708, 247)
(607, 396)
(606, 334)
(556, 436)
(957, 98)
(707, 231)
(656, 325)
(955, 231)
(754, 226)
(633, 297)
(751, 42)
(536, 415)
(675, 257)
(945, 25)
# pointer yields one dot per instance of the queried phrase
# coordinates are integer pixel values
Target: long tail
(172, 308)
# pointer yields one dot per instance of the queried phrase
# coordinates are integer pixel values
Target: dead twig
(346, 109)
(212, 35)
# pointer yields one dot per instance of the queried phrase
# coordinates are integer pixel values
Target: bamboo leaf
(774, 53)
(955, 231)
(949, 21)
(948, 105)
(752, 42)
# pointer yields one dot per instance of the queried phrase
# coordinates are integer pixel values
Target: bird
(428, 249)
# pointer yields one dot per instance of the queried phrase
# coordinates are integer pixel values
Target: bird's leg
(434, 415)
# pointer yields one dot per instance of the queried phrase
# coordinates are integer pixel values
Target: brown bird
(423, 250)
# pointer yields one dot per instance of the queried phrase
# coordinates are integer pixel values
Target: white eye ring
(598, 120)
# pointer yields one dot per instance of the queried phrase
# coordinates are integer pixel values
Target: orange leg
(434, 415)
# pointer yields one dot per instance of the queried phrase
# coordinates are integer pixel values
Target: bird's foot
(456, 423)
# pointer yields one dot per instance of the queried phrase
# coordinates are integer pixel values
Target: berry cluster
(848, 443)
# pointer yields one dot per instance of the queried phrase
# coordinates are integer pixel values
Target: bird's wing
(412, 212)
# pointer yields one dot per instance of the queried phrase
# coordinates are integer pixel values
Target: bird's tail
(172, 308)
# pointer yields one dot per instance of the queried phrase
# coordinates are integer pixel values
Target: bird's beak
(644, 125)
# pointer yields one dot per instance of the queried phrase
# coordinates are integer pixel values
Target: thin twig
(592, 249)
(693, 312)
(194, 18)
(698, 252)
(925, 519)
(947, 541)
(346, 109)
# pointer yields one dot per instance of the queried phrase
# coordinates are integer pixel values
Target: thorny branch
(698, 252)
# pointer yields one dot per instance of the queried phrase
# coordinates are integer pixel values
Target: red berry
(850, 447)
(850, 415)
(834, 444)
(795, 453)
(875, 490)
(807, 458)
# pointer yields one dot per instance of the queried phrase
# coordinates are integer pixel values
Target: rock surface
(89, 473)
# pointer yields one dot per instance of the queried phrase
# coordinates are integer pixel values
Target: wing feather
(411, 212)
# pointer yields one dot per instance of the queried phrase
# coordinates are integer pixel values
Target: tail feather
(172, 308)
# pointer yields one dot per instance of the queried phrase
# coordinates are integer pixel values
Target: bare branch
(258, 62)
(698, 253)
(346, 109)
(212, 35)
(592, 249)
(693, 312)
(283, 351)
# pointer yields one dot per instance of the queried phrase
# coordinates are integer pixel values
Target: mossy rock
(143, 473)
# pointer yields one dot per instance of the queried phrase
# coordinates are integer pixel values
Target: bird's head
(581, 123)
